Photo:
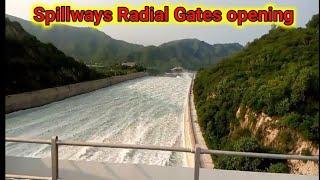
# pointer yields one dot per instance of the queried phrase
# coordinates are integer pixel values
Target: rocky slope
(270, 134)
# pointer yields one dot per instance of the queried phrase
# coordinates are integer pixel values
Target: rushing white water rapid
(146, 111)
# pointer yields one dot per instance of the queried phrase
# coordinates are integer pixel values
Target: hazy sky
(155, 35)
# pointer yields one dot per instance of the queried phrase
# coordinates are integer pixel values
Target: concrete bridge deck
(84, 170)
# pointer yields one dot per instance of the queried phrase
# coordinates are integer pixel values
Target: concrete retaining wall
(37, 98)
(189, 138)
(193, 134)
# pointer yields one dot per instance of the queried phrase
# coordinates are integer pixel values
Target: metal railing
(197, 150)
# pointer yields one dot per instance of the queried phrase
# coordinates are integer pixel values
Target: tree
(314, 22)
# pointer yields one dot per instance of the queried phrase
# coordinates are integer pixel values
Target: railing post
(54, 157)
(197, 161)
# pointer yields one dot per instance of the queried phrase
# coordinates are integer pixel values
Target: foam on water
(143, 111)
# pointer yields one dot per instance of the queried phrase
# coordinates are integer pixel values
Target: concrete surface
(205, 159)
(82, 170)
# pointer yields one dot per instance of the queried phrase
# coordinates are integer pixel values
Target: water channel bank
(193, 134)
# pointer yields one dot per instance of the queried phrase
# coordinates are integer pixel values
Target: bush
(248, 144)
(278, 168)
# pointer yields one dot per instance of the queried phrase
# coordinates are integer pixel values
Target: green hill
(277, 74)
(82, 43)
(33, 65)
(95, 47)
(191, 54)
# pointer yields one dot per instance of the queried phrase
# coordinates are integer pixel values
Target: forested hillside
(32, 65)
(92, 46)
(82, 43)
(277, 74)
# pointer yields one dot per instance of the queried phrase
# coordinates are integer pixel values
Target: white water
(143, 111)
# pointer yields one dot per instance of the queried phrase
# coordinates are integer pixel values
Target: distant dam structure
(143, 111)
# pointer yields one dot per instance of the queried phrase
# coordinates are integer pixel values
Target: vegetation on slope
(95, 47)
(118, 69)
(32, 65)
(82, 43)
(277, 74)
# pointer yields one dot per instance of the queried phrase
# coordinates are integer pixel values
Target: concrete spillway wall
(193, 134)
(37, 98)
(189, 137)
